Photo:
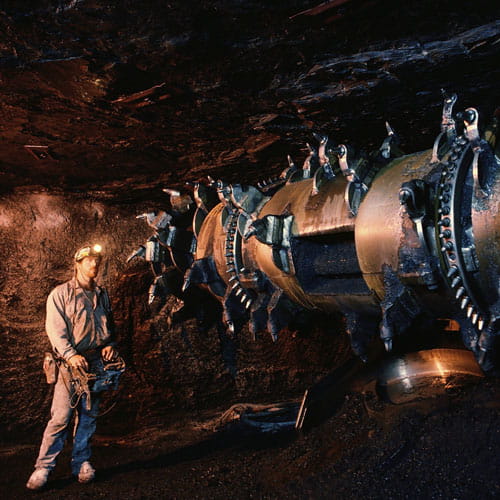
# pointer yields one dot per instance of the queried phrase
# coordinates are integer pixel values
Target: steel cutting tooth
(470, 309)
(248, 304)
(460, 292)
(465, 302)
(239, 292)
(243, 298)
(235, 285)
(232, 278)
(388, 345)
(474, 318)
(480, 324)
(456, 281)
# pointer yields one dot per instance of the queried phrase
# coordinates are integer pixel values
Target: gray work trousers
(57, 427)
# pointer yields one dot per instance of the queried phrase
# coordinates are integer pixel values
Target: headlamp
(88, 251)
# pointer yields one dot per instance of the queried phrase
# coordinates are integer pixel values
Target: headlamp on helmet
(88, 251)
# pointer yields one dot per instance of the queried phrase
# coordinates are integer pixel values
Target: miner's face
(89, 266)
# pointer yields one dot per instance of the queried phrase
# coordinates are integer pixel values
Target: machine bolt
(447, 247)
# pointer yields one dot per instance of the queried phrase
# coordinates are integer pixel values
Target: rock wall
(39, 233)
(169, 370)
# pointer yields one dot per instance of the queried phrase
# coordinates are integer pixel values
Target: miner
(79, 325)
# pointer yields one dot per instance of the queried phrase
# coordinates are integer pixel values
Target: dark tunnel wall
(39, 233)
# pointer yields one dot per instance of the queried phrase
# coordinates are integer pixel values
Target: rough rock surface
(232, 86)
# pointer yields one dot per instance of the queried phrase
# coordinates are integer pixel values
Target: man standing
(79, 325)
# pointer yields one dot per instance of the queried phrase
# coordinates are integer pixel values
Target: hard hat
(88, 251)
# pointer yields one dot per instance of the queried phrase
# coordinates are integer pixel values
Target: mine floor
(443, 445)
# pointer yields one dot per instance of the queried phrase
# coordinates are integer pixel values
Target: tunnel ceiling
(118, 98)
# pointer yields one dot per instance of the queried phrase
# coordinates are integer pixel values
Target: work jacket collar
(76, 285)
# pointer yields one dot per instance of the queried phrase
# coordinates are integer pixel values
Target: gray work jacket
(74, 323)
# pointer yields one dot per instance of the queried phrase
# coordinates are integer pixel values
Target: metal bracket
(275, 230)
(325, 171)
(448, 129)
(355, 189)
(307, 166)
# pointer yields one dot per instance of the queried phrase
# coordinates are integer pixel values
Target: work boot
(87, 473)
(38, 479)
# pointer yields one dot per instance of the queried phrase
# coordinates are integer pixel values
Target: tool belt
(102, 376)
